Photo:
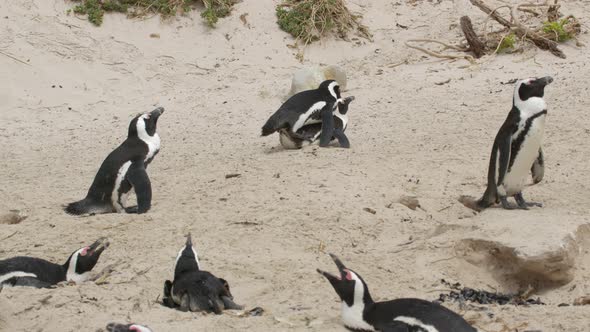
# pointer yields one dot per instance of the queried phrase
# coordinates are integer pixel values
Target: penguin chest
(120, 193)
(524, 150)
(352, 317)
(309, 116)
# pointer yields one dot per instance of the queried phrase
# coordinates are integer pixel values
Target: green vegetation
(558, 28)
(508, 42)
(95, 9)
(310, 20)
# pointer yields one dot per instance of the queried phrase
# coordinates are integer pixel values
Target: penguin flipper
(228, 303)
(327, 125)
(341, 137)
(504, 149)
(30, 282)
(538, 168)
(140, 181)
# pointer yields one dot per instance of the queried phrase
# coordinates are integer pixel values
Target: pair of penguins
(191, 289)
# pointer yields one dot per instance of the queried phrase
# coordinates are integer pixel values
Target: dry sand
(269, 229)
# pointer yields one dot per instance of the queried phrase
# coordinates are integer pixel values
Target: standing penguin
(361, 313)
(314, 130)
(123, 169)
(304, 108)
(517, 147)
(193, 289)
(37, 272)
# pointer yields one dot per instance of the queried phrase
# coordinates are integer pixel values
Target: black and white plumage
(307, 108)
(193, 289)
(517, 148)
(37, 272)
(313, 131)
(361, 313)
(124, 169)
(114, 327)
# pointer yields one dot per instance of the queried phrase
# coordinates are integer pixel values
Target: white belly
(517, 175)
(115, 194)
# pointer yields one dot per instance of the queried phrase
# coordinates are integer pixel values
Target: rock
(526, 248)
(310, 78)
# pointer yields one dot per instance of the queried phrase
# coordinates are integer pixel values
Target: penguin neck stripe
(331, 89)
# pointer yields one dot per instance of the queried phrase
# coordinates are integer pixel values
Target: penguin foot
(131, 209)
(506, 205)
(524, 204)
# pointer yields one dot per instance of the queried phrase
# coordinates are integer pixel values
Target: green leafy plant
(508, 42)
(310, 20)
(95, 9)
(559, 29)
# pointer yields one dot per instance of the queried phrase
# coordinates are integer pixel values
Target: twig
(9, 236)
(14, 58)
(440, 55)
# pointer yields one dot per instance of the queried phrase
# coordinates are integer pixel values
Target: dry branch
(475, 44)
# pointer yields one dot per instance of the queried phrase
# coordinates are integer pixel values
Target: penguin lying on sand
(517, 147)
(314, 130)
(123, 169)
(37, 272)
(194, 289)
(359, 312)
(114, 327)
(309, 78)
(306, 108)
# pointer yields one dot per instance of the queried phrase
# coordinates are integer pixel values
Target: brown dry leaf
(583, 300)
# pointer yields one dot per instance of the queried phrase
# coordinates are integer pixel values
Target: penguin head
(331, 90)
(84, 259)
(145, 124)
(348, 285)
(531, 87)
(187, 259)
(114, 327)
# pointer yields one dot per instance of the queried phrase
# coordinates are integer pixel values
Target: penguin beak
(99, 246)
(341, 268)
(545, 80)
(157, 112)
(189, 240)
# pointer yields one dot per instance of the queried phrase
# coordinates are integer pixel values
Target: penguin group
(317, 113)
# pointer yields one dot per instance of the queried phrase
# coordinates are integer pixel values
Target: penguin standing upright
(305, 108)
(123, 169)
(37, 272)
(517, 147)
(360, 312)
(193, 289)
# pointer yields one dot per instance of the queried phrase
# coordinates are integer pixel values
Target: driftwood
(475, 44)
(519, 29)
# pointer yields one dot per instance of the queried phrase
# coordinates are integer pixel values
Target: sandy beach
(423, 129)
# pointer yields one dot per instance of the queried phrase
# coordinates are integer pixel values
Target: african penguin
(37, 272)
(193, 289)
(517, 147)
(310, 78)
(123, 169)
(304, 108)
(114, 327)
(314, 130)
(361, 313)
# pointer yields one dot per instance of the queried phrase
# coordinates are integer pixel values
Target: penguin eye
(84, 251)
